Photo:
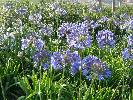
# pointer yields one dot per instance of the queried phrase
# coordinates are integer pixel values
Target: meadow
(65, 51)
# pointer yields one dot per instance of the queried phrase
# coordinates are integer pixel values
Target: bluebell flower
(39, 44)
(21, 10)
(25, 43)
(93, 67)
(58, 9)
(131, 17)
(57, 61)
(105, 38)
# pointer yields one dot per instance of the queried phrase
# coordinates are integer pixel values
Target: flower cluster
(77, 34)
(73, 59)
(8, 6)
(46, 30)
(42, 57)
(35, 17)
(37, 43)
(92, 67)
(103, 19)
(58, 9)
(61, 59)
(105, 38)
(127, 53)
(22, 11)
(57, 60)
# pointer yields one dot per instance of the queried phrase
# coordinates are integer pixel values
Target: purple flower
(103, 19)
(94, 24)
(21, 10)
(42, 58)
(130, 41)
(25, 43)
(58, 9)
(131, 24)
(124, 16)
(8, 6)
(61, 11)
(75, 68)
(105, 38)
(79, 41)
(77, 34)
(73, 59)
(93, 67)
(46, 30)
(57, 61)
(64, 29)
(39, 44)
(45, 66)
(54, 6)
(127, 53)
(36, 17)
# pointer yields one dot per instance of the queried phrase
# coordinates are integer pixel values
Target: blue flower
(103, 19)
(124, 16)
(94, 24)
(130, 41)
(77, 34)
(45, 66)
(46, 30)
(8, 6)
(22, 10)
(25, 43)
(41, 56)
(39, 44)
(57, 61)
(75, 68)
(130, 25)
(64, 29)
(61, 11)
(73, 59)
(36, 17)
(127, 53)
(92, 67)
(54, 6)
(105, 38)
